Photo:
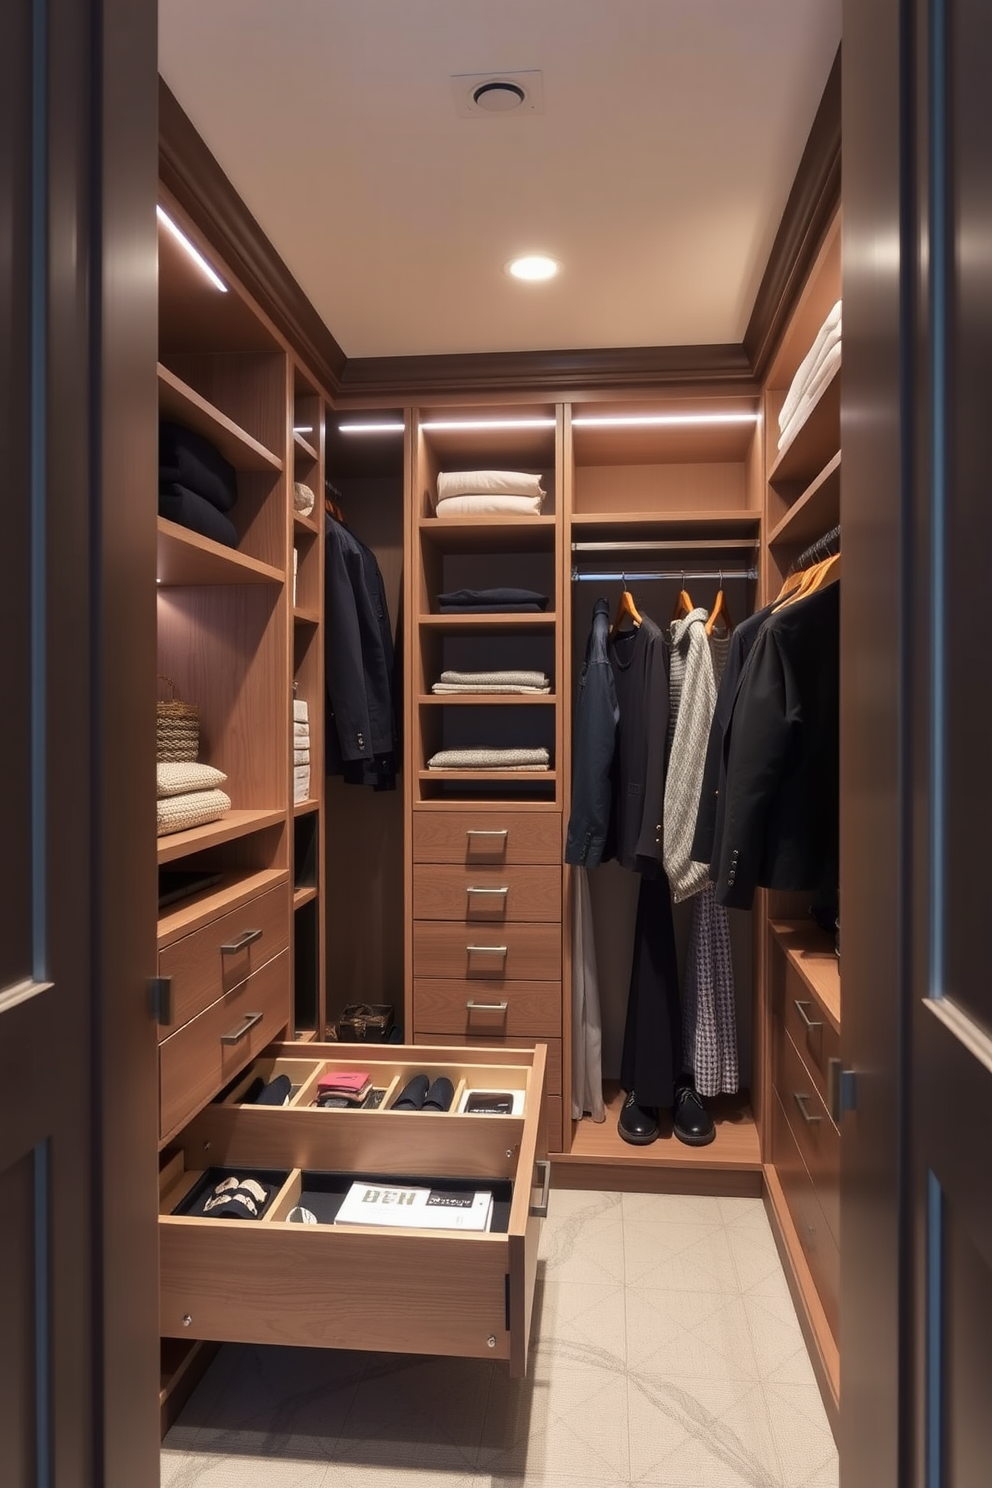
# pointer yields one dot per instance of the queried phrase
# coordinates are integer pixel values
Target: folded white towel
(301, 784)
(301, 756)
(488, 483)
(180, 779)
(300, 711)
(477, 687)
(301, 731)
(510, 678)
(828, 332)
(480, 505)
(489, 759)
(810, 399)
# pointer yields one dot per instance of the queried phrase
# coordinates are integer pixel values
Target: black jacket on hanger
(362, 732)
(594, 737)
(779, 811)
(639, 659)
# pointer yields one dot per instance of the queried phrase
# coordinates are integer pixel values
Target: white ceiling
(656, 174)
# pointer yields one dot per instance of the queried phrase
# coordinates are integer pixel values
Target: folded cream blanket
(509, 678)
(486, 687)
(828, 335)
(181, 813)
(180, 779)
(301, 731)
(490, 759)
(488, 483)
(300, 711)
(811, 397)
(494, 505)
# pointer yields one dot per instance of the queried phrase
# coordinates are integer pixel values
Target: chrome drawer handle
(487, 950)
(487, 832)
(234, 946)
(475, 890)
(802, 1101)
(810, 1023)
(246, 1025)
(486, 1007)
(540, 1209)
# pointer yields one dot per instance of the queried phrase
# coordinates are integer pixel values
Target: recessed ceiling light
(533, 267)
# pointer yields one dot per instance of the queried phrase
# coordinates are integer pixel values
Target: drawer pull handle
(810, 1023)
(540, 1209)
(232, 947)
(245, 1026)
(504, 890)
(486, 1007)
(802, 1101)
(487, 832)
(486, 950)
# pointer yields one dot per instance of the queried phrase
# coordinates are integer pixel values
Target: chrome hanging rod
(670, 545)
(629, 576)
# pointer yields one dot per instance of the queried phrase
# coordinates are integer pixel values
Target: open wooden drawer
(323, 1285)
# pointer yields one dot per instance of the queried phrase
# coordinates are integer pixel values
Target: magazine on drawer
(415, 1208)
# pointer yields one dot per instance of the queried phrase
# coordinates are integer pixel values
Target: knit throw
(693, 694)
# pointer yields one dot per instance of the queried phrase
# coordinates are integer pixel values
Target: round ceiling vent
(498, 97)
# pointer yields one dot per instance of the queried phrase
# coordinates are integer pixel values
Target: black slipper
(440, 1095)
(276, 1093)
(413, 1094)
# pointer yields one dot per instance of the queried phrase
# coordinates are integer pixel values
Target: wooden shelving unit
(229, 828)
(187, 558)
(183, 404)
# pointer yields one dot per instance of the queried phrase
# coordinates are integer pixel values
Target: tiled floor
(667, 1352)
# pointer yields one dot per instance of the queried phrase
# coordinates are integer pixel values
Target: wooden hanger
(683, 604)
(790, 584)
(332, 498)
(720, 611)
(626, 610)
(822, 574)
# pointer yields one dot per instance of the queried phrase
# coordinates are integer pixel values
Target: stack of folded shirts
(490, 759)
(343, 1088)
(301, 752)
(189, 795)
(197, 487)
(491, 601)
(476, 493)
(515, 682)
(814, 373)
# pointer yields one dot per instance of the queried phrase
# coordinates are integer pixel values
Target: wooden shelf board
(811, 952)
(470, 777)
(306, 617)
(735, 1148)
(187, 558)
(181, 403)
(304, 808)
(233, 890)
(814, 512)
(815, 443)
(489, 534)
(486, 699)
(305, 525)
(304, 896)
(535, 620)
(304, 447)
(482, 804)
(736, 519)
(234, 824)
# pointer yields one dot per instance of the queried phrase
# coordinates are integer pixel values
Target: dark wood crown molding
(813, 200)
(550, 374)
(196, 180)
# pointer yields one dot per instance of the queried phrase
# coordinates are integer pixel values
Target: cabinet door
(78, 1392)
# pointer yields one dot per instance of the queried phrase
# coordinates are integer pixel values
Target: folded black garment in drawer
(187, 459)
(497, 600)
(179, 505)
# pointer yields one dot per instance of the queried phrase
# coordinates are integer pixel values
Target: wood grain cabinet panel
(818, 1244)
(477, 838)
(472, 952)
(814, 1133)
(200, 1058)
(807, 1023)
(487, 894)
(220, 956)
(487, 1009)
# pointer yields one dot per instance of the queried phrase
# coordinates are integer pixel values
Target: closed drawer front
(199, 1059)
(808, 1026)
(225, 953)
(818, 1244)
(552, 1074)
(390, 1290)
(493, 953)
(553, 1112)
(487, 894)
(480, 837)
(815, 1134)
(490, 1009)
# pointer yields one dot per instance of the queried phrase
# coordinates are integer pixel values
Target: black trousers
(652, 1037)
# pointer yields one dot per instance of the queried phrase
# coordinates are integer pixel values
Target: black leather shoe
(637, 1124)
(691, 1121)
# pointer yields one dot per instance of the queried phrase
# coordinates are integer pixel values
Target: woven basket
(178, 728)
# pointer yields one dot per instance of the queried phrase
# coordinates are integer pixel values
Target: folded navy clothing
(490, 609)
(187, 459)
(177, 504)
(488, 599)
